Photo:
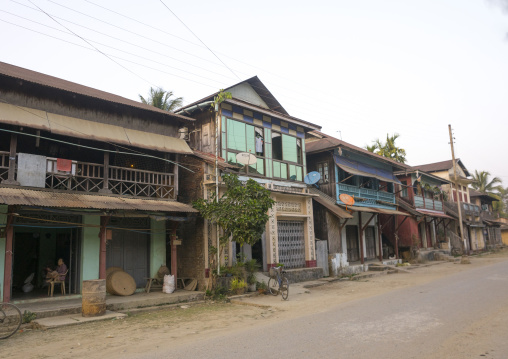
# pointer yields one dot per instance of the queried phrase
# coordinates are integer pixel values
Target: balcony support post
(9, 239)
(380, 239)
(12, 162)
(360, 228)
(102, 253)
(105, 184)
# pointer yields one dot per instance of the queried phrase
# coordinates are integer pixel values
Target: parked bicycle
(10, 320)
(278, 283)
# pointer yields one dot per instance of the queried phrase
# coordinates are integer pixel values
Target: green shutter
(236, 135)
(283, 170)
(250, 141)
(289, 149)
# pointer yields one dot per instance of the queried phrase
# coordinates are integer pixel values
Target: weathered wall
(192, 252)
(94, 110)
(313, 160)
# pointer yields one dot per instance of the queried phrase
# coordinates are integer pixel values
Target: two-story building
(88, 177)
(492, 229)
(254, 122)
(369, 180)
(456, 190)
(420, 194)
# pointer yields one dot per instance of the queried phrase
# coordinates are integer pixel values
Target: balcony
(91, 177)
(428, 203)
(471, 209)
(370, 196)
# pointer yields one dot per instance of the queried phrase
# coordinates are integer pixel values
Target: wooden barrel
(93, 298)
(120, 283)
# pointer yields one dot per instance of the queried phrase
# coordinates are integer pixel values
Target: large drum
(93, 298)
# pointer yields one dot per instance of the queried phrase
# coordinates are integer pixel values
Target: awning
(361, 169)
(75, 127)
(433, 214)
(377, 210)
(27, 197)
(336, 210)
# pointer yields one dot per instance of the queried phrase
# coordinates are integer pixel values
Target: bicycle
(278, 283)
(10, 320)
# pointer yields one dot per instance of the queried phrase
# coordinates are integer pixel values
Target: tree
(160, 98)
(388, 148)
(481, 182)
(241, 212)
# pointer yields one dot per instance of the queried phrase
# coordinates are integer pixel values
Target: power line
(199, 39)
(114, 38)
(116, 62)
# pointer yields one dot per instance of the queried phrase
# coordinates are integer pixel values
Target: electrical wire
(192, 32)
(116, 62)
(133, 152)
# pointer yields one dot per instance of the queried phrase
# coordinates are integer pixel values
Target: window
(346, 178)
(404, 189)
(322, 168)
(242, 137)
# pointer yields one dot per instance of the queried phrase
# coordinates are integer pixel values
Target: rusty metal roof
(60, 84)
(41, 198)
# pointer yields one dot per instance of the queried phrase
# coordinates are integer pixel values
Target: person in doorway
(58, 273)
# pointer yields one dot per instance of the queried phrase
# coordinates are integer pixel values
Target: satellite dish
(312, 178)
(246, 158)
(347, 199)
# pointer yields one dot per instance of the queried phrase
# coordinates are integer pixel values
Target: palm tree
(160, 98)
(481, 182)
(388, 149)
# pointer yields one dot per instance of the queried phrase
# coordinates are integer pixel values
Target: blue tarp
(361, 169)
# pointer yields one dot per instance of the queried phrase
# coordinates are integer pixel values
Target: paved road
(460, 316)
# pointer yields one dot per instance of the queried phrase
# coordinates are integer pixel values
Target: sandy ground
(146, 332)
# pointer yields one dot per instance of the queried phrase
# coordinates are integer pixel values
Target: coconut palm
(388, 148)
(160, 98)
(481, 182)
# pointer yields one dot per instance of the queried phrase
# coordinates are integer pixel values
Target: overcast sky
(360, 69)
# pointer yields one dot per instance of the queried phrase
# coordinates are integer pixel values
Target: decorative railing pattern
(90, 177)
(370, 196)
(428, 203)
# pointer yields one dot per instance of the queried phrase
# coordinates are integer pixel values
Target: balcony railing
(471, 209)
(370, 196)
(428, 203)
(4, 165)
(90, 177)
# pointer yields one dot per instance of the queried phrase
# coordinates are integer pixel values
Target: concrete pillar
(157, 245)
(90, 248)
(9, 239)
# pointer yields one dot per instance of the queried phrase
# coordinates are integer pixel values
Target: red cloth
(63, 165)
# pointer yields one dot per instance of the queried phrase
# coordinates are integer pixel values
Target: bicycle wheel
(284, 288)
(10, 320)
(273, 286)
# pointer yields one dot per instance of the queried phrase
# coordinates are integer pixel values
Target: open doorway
(37, 247)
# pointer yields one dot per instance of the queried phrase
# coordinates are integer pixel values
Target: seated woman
(58, 273)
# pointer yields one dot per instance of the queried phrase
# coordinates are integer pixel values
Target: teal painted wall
(90, 249)
(157, 245)
(3, 220)
(367, 160)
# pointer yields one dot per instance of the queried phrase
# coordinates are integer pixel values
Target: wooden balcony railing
(89, 177)
(4, 165)
(428, 203)
(370, 196)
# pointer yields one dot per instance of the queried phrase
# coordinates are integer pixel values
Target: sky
(360, 69)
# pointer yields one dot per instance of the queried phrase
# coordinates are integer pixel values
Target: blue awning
(361, 169)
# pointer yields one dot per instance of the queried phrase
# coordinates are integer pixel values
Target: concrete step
(375, 268)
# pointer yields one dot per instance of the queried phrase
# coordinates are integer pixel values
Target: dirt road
(152, 334)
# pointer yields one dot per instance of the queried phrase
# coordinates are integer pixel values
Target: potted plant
(251, 267)
(238, 286)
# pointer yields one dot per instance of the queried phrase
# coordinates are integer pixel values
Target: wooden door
(370, 242)
(353, 253)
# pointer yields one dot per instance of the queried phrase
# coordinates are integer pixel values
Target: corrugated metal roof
(441, 166)
(28, 197)
(57, 83)
(76, 127)
(339, 212)
(329, 143)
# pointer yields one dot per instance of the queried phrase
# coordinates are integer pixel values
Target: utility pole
(217, 133)
(457, 187)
